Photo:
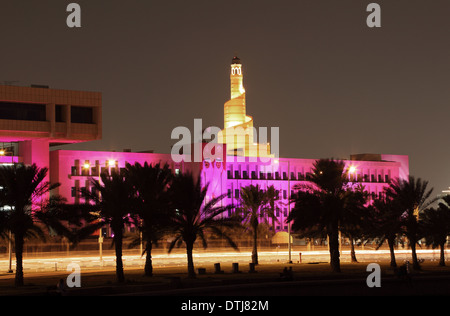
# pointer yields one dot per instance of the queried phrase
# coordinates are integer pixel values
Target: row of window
(37, 112)
(92, 171)
(282, 194)
(299, 176)
(77, 193)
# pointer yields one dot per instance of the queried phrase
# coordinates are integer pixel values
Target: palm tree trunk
(18, 244)
(148, 260)
(416, 265)
(442, 256)
(391, 242)
(352, 251)
(118, 240)
(333, 236)
(255, 246)
(189, 250)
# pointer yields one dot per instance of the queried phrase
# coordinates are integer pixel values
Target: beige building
(34, 118)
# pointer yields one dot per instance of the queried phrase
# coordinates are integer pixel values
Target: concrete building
(32, 119)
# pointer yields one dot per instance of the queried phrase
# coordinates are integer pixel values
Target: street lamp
(289, 208)
(3, 153)
(289, 211)
(10, 253)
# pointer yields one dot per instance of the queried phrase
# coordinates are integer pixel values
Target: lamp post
(10, 253)
(111, 163)
(289, 211)
(277, 161)
(3, 152)
(87, 167)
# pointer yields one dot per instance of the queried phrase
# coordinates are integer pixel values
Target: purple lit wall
(73, 169)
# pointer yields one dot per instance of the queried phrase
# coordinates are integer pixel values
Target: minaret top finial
(236, 60)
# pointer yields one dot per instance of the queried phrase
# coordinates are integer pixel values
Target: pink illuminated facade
(61, 117)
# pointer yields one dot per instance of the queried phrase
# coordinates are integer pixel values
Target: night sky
(314, 68)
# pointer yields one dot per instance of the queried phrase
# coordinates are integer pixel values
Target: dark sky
(313, 68)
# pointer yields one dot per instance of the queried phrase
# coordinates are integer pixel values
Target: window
(81, 114)
(73, 191)
(284, 194)
(22, 111)
(229, 195)
(59, 117)
(85, 171)
(236, 193)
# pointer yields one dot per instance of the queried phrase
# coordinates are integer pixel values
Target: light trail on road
(223, 257)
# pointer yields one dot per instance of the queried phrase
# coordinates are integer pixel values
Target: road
(93, 261)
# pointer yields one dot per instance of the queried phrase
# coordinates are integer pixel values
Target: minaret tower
(238, 126)
(234, 109)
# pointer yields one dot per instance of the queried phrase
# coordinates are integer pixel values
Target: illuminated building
(34, 118)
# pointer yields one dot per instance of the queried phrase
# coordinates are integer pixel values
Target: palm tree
(272, 200)
(435, 223)
(321, 204)
(355, 217)
(151, 183)
(113, 199)
(256, 204)
(412, 197)
(25, 200)
(193, 216)
(385, 224)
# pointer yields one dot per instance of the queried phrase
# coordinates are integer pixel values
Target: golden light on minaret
(237, 124)
(235, 108)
